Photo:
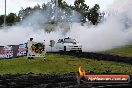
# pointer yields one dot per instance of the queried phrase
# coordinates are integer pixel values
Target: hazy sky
(15, 5)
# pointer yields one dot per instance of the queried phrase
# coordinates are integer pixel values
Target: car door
(60, 44)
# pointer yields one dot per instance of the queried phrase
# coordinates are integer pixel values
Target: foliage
(82, 8)
(62, 13)
(1, 19)
(23, 13)
(10, 19)
(93, 14)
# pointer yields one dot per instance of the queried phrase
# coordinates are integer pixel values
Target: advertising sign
(22, 50)
(36, 49)
(6, 52)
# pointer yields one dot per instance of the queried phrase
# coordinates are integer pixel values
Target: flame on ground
(81, 71)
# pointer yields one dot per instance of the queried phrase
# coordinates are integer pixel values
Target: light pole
(5, 15)
(56, 10)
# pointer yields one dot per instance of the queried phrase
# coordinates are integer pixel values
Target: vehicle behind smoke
(68, 44)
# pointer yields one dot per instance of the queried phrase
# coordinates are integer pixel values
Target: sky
(15, 5)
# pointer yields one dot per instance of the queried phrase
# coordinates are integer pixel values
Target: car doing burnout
(68, 44)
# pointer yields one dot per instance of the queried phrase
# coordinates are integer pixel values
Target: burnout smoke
(114, 31)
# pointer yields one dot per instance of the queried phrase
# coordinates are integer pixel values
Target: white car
(68, 44)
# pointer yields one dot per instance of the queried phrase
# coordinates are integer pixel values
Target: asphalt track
(99, 56)
(51, 81)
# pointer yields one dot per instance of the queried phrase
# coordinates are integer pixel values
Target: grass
(56, 63)
(125, 51)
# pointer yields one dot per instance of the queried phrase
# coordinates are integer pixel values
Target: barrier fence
(11, 51)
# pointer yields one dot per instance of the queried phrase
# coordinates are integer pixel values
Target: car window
(60, 40)
(69, 41)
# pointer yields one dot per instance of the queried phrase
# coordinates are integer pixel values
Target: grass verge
(125, 51)
(56, 63)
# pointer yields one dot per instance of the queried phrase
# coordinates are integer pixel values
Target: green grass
(56, 63)
(125, 51)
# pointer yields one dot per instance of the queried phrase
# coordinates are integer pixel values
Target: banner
(36, 49)
(11, 51)
(22, 50)
(6, 52)
(107, 78)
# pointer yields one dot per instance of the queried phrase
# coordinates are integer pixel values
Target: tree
(62, 4)
(37, 7)
(1, 19)
(82, 8)
(64, 12)
(93, 14)
(44, 6)
(12, 18)
(23, 13)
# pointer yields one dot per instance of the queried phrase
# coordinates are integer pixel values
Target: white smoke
(115, 31)
(19, 35)
(107, 35)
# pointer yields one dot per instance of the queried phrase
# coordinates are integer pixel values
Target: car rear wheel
(64, 48)
(80, 51)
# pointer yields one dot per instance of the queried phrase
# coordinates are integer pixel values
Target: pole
(5, 15)
(56, 10)
(51, 48)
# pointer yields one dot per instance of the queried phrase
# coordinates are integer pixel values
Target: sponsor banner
(6, 52)
(22, 50)
(36, 49)
(107, 78)
(13, 51)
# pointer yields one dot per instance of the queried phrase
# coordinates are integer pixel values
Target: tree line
(11, 18)
(63, 13)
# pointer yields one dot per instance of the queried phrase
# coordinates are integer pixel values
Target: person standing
(29, 44)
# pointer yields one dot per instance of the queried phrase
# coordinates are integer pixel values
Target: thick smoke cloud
(114, 31)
